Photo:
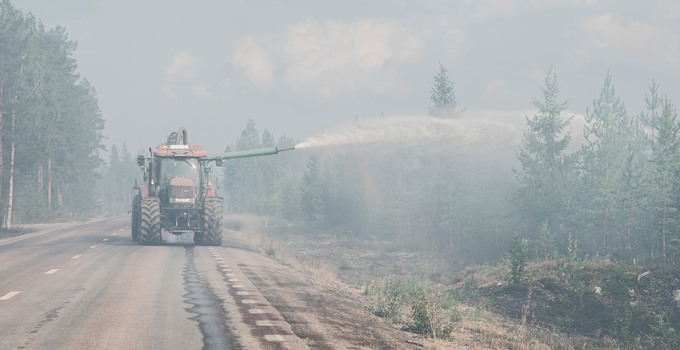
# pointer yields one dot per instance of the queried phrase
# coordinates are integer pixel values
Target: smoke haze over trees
(50, 124)
(617, 193)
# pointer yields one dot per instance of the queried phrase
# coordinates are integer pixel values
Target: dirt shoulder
(323, 312)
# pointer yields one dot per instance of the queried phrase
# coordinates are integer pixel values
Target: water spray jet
(416, 130)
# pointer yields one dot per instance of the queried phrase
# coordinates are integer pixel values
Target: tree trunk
(663, 234)
(605, 233)
(10, 193)
(10, 190)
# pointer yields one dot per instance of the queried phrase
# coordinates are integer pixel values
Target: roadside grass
(17, 231)
(319, 271)
(563, 303)
(439, 313)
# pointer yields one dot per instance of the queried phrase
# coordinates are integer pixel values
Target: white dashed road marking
(274, 337)
(105, 239)
(93, 246)
(76, 257)
(9, 295)
(51, 271)
(228, 273)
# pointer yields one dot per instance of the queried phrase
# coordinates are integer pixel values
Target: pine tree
(606, 132)
(664, 140)
(311, 191)
(546, 170)
(241, 175)
(442, 95)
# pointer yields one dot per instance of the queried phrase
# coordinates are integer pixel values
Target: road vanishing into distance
(90, 286)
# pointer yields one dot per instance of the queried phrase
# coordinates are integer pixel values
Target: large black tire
(150, 226)
(136, 216)
(212, 223)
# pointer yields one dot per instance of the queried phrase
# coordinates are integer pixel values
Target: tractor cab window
(171, 168)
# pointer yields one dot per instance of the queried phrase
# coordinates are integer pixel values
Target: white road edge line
(51, 271)
(9, 295)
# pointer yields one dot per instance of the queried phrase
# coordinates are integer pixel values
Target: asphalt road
(90, 286)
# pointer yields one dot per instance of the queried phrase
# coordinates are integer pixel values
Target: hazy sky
(298, 67)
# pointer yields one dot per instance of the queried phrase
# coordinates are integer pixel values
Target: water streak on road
(211, 316)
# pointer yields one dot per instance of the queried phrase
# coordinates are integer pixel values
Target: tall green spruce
(663, 136)
(254, 184)
(312, 191)
(606, 158)
(546, 175)
(50, 124)
(115, 187)
(442, 94)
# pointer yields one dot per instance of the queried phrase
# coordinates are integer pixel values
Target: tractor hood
(182, 190)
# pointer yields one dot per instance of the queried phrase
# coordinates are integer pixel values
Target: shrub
(517, 259)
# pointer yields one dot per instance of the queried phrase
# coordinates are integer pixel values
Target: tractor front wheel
(150, 226)
(212, 223)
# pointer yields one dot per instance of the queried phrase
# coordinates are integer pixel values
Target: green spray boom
(245, 154)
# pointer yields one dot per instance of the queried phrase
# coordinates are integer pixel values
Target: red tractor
(177, 195)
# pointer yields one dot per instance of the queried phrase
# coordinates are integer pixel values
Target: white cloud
(330, 58)
(203, 90)
(503, 8)
(183, 66)
(611, 32)
(184, 77)
(255, 61)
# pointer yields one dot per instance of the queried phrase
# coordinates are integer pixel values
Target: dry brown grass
(320, 272)
(477, 328)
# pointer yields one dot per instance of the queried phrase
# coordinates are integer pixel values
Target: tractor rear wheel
(212, 222)
(136, 216)
(150, 226)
